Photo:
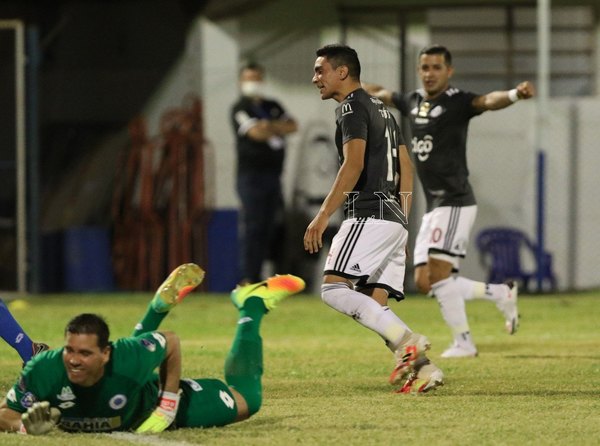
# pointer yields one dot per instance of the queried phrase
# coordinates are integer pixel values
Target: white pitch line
(146, 439)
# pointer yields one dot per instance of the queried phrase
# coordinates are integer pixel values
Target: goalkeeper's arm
(170, 374)
(38, 420)
(10, 420)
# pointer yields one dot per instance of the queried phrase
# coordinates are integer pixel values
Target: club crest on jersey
(28, 399)
(346, 109)
(117, 402)
(424, 109)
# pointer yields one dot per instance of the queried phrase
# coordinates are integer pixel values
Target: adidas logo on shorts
(356, 268)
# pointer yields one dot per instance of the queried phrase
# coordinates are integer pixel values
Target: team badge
(117, 402)
(28, 399)
(424, 109)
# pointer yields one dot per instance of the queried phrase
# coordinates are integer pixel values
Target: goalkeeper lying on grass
(93, 385)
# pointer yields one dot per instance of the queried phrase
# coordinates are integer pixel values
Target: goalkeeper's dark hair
(88, 323)
(338, 55)
(438, 49)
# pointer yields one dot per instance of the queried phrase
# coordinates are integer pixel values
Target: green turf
(326, 377)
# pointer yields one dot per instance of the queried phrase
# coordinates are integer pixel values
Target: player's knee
(422, 280)
(422, 284)
(333, 294)
(254, 401)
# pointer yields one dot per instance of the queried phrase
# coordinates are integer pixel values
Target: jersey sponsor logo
(436, 111)
(90, 424)
(195, 386)
(66, 394)
(422, 147)
(346, 109)
(244, 320)
(376, 101)
(19, 338)
(11, 396)
(66, 405)
(160, 338)
(148, 345)
(117, 402)
(451, 91)
(355, 268)
(28, 399)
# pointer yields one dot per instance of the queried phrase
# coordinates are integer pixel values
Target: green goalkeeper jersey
(121, 400)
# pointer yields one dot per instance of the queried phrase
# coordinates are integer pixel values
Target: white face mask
(253, 89)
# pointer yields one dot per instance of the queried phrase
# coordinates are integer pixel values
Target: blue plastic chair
(500, 250)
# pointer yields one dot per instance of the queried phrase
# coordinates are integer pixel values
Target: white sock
(471, 289)
(367, 312)
(452, 306)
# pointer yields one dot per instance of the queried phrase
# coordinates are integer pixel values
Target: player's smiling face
(326, 78)
(435, 74)
(84, 360)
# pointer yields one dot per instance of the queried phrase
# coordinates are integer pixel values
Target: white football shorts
(371, 253)
(444, 234)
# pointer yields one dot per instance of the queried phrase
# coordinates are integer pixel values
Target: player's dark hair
(88, 323)
(338, 55)
(252, 66)
(438, 49)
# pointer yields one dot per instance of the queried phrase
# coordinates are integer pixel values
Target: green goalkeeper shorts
(205, 403)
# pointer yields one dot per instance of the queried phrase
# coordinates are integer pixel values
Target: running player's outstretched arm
(379, 92)
(406, 179)
(497, 100)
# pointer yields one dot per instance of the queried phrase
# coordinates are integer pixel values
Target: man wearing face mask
(260, 126)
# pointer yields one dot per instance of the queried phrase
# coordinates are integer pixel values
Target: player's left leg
(244, 363)
(171, 292)
(12, 332)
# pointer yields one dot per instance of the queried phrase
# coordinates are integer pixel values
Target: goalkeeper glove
(39, 419)
(163, 415)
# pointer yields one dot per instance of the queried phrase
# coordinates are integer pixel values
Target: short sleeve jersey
(376, 194)
(257, 156)
(439, 144)
(123, 398)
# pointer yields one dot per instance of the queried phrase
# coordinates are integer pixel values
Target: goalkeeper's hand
(163, 415)
(40, 418)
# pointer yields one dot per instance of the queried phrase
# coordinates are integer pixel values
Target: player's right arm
(346, 179)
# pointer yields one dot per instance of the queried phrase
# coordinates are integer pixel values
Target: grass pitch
(325, 380)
